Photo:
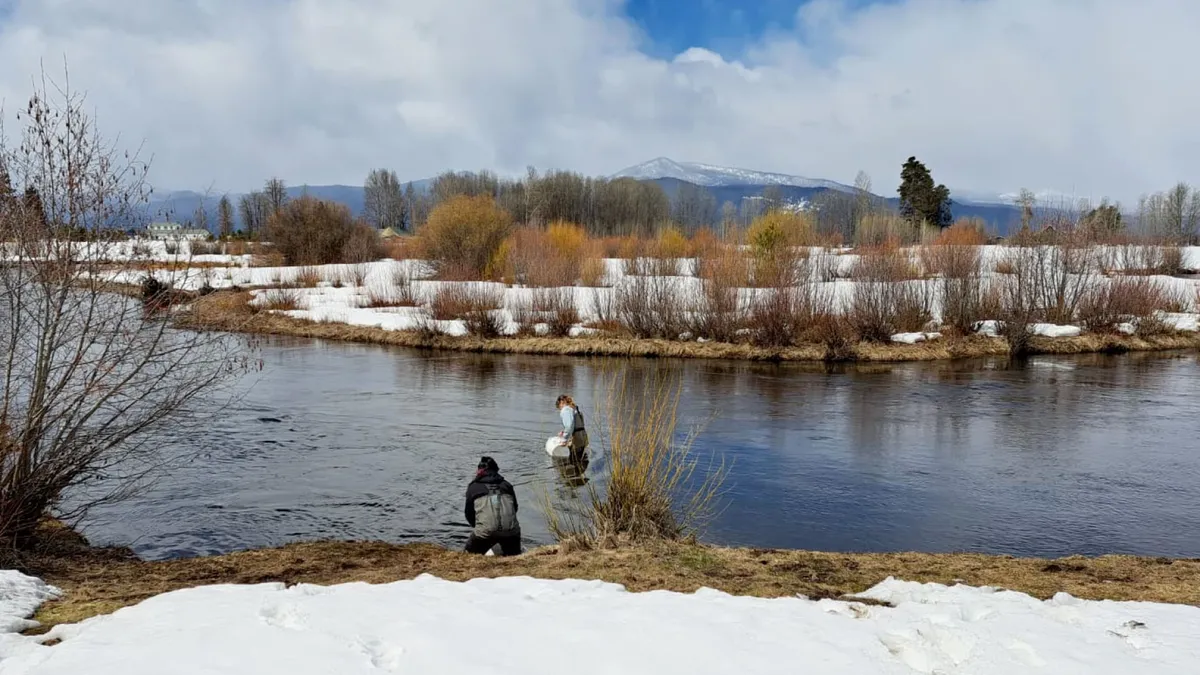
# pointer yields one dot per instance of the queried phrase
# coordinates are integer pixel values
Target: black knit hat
(488, 464)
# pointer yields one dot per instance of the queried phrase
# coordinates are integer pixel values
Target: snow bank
(536, 627)
(20, 596)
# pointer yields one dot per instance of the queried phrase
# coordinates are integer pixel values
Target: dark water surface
(1088, 455)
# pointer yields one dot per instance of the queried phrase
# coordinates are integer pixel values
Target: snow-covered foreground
(535, 627)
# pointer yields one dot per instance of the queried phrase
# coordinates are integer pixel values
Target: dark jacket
(484, 484)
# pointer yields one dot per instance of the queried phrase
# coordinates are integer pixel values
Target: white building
(175, 232)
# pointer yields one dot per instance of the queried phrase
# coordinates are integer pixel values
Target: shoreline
(228, 311)
(100, 580)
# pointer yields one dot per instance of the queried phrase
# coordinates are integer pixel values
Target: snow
(1053, 331)
(20, 596)
(710, 175)
(914, 338)
(540, 627)
(345, 293)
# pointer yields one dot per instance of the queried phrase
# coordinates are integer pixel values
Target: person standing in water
(491, 511)
(573, 431)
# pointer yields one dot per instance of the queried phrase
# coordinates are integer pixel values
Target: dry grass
(309, 276)
(228, 311)
(653, 491)
(280, 299)
(100, 581)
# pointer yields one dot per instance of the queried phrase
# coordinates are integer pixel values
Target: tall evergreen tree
(920, 199)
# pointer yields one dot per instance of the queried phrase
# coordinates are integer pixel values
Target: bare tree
(255, 209)
(383, 200)
(276, 194)
(94, 385)
(225, 217)
(200, 217)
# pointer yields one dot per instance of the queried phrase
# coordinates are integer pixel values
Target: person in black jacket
(491, 511)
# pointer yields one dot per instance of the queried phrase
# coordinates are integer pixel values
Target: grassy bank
(229, 311)
(99, 581)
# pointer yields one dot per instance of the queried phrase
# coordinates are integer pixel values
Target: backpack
(496, 514)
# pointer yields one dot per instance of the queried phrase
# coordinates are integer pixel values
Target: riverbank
(231, 311)
(101, 580)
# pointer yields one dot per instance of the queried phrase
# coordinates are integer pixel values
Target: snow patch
(541, 627)
(914, 338)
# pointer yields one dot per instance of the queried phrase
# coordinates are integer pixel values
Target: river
(1086, 455)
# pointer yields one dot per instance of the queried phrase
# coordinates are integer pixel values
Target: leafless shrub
(959, 271)
(1147, 259)
(604, 309)
(521, 310)
(93, 383)
(823, 265)
(880, 309)
(450, 301)
(308, 276)
(563, 314)
(647, 307)
(359, 273)
(718, 314)
(1136, 300)
(781, 317)
(481, 317)
(884, 263)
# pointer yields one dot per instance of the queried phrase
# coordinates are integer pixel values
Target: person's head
(564, 400)
(485, 465)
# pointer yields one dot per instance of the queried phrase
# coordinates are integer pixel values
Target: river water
(1083, 455)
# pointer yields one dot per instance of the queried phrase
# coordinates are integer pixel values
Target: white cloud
(1093, 97)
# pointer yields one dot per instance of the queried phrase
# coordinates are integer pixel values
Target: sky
(1088, 98)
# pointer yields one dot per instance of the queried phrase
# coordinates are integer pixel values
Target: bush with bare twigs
(475, 304)
(309, 276)
(594, 272)
(358, 273)
(649, 307)
(880, 309)
(959, 282)
(563, 314)
(885, 229)
(717, 313)
(520, 308)
(311, 231)
(784, 316)
(463, 234)
(655, 489)
(604, 310)
(964, 232)
(96, 388)
(1135, 300)
(548, 257)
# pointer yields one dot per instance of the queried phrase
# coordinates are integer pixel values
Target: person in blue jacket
(574, 431)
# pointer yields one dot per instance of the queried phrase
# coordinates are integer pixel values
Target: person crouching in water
(573, 431)
(492, 511)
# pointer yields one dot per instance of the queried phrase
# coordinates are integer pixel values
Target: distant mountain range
(726, 184)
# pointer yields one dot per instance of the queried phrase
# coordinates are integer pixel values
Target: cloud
(1092, 97)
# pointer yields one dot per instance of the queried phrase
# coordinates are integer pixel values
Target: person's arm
(507, 487)
(568, 421)
(469, 509)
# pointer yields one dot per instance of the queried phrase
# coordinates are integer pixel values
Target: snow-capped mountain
(709, 175)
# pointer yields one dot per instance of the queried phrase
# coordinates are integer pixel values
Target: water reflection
(1051, 456)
